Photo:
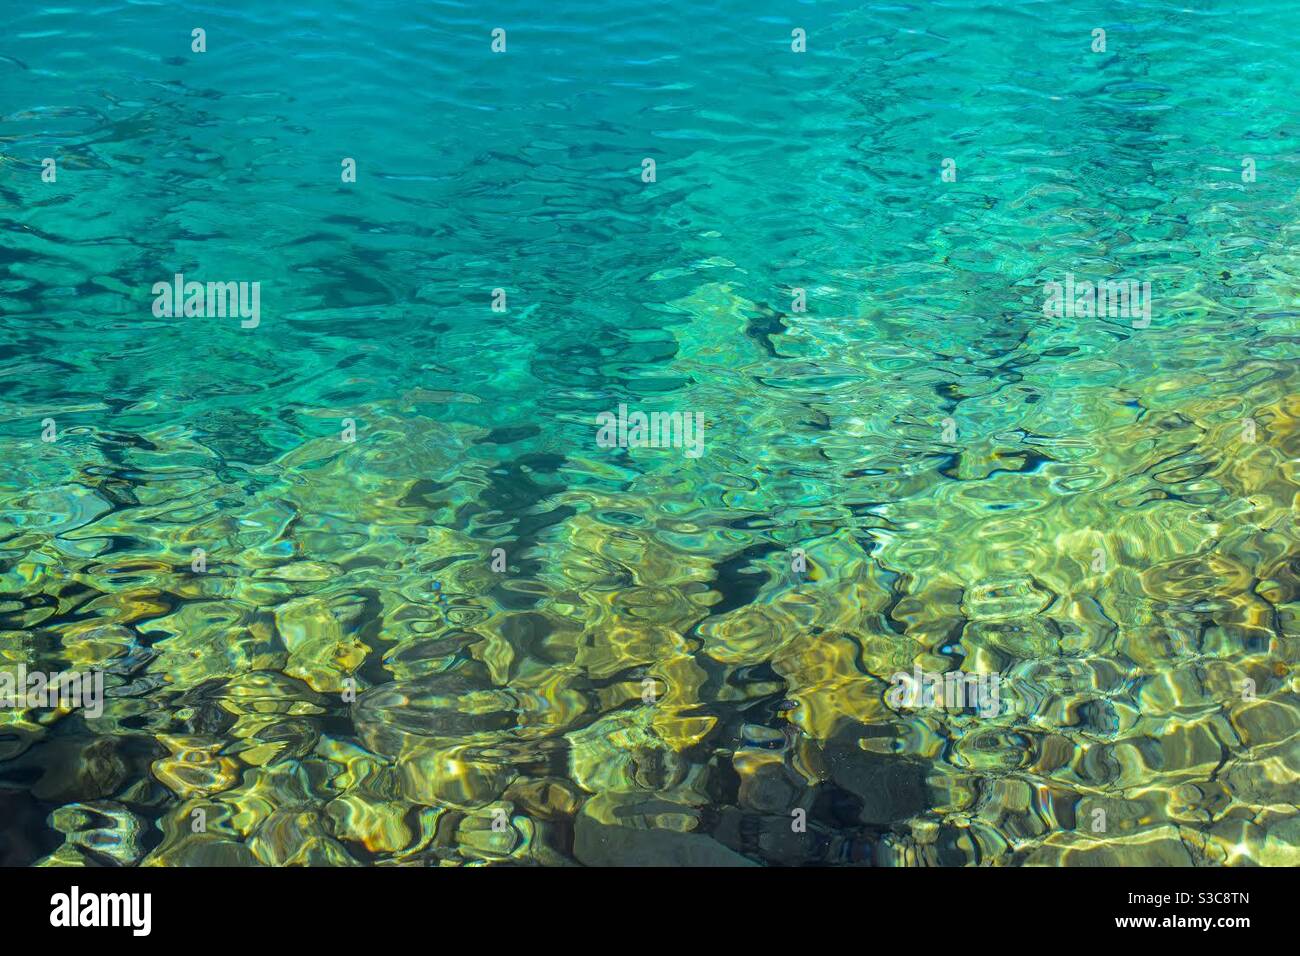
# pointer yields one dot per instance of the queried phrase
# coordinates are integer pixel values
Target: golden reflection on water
(606, 700)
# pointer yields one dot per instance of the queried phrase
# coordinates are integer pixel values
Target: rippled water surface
(1101, 515)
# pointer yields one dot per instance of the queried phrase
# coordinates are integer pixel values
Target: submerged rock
(645, 830)
(892, 789)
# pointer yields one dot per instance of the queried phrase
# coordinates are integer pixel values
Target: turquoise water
(1100, 514)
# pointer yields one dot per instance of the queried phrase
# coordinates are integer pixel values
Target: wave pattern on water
(1102, 515)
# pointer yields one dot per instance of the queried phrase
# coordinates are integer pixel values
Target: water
(1101, 515)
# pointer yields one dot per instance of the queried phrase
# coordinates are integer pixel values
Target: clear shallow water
(950, 459)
